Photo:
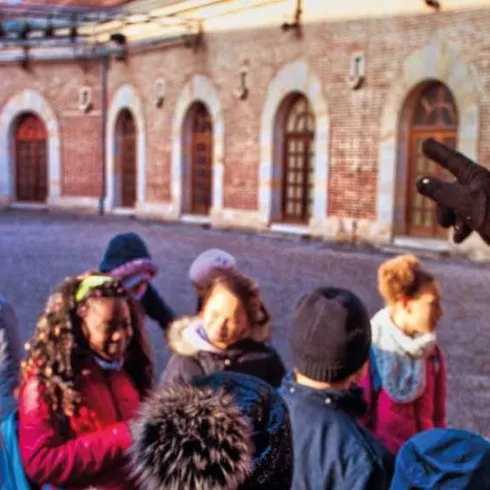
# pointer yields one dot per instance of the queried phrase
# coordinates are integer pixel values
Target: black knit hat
(331, 335)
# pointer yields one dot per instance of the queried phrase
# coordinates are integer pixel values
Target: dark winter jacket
(128, 247)
(10, 357)
(331, 450)
(443, 459)
(246, 356)
(199, 435)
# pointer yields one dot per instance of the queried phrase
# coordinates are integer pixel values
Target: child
(87, 370)
(10, 357)
(205, 267)
(406, 387)
(226, 431)
(127, 258)
(330, 340)
(228, 335)
(445, 459)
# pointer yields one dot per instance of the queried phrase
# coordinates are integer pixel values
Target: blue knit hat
(443, 459)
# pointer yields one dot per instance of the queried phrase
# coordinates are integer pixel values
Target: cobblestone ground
(39, 249)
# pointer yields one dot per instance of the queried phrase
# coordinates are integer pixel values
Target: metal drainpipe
(104, 72)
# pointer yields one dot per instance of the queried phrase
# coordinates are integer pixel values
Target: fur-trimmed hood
(226, 431)
(183, 344)
(189, 438)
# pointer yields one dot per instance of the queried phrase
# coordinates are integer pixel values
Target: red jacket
(91, 450)
(394, 423)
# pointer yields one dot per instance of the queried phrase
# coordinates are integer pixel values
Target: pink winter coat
(91, 450)
(394, 423)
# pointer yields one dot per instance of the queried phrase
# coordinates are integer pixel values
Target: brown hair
(57, 349)
(402, 277)
(247, 291)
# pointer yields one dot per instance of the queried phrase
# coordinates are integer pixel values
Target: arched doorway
(298, 156)
(31, 163)
(434, 115)
(199, 181)
(126, 159)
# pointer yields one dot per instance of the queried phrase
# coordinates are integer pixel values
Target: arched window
(31, 165)
(298, 161)
(434, 116)
(126, 159)
(199, 127)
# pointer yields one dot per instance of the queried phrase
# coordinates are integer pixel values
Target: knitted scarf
(401, 359)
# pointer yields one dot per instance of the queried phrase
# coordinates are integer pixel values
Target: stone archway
(294, 77)
(28, 101)
(125, 97)
(432, 62)
(199, 89)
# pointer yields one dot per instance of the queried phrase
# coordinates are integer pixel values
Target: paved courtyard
(39, 249)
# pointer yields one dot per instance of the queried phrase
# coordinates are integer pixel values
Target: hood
(181, 342)
(443, 459)
(123, 248)
(226, 431)
(183, 339)
(197, 439)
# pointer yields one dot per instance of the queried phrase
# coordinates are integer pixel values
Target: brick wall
(326, 47)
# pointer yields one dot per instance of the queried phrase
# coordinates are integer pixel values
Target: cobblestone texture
(39, 249)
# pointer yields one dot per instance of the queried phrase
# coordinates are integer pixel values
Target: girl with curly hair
(229, 334)
(406, 385)
(87, 370)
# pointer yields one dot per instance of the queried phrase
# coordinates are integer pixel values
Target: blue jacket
(124, 248)
(331, 450)
(10, 357)
(444, 459)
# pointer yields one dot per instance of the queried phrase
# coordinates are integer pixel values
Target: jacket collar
(349, 401)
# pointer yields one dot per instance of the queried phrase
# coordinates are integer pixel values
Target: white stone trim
(290, 229)
(28, 101)
(199, 89)
(195, 219)
(435, 61)
(294, 77)
(125, 97)
(70, 202)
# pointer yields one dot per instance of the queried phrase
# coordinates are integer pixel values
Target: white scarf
(401, 359)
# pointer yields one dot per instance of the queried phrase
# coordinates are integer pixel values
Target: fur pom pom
(190, 438)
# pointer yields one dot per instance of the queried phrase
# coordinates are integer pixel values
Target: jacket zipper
(113, 398)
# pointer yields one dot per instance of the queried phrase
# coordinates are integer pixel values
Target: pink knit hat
(205, 266)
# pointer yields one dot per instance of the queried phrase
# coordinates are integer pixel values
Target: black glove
(463, 203)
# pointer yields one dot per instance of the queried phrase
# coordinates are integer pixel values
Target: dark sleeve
(10, 356)
(275, 369)
(369, 477)
(156, 308)
(180, 368)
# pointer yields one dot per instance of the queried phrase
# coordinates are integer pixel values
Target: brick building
(244, 113)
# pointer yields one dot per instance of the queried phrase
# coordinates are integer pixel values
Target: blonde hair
(402, 277)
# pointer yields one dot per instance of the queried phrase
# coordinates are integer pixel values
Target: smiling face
(224, 318)
(106, 326)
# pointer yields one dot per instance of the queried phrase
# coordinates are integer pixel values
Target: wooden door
(435, 116)
(31, 165)
(126, 131)
(201, 176)
(298, 162)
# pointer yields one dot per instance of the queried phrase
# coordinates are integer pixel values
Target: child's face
(106, 324)
(224, 318)
(424, 311)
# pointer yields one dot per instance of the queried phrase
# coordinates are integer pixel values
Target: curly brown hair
(248, 293)
(402, 277)
(58, 347)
